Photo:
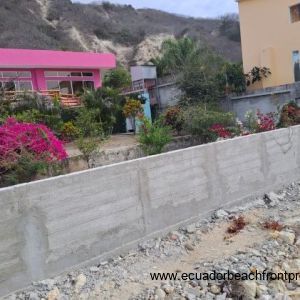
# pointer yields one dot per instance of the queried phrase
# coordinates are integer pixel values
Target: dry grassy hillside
(134, 35)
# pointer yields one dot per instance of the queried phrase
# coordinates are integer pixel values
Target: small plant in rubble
(273, 225)
(237, 225)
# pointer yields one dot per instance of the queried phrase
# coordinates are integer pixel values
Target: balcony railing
(66, 100)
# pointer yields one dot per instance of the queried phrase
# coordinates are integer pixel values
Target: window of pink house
(16, 80)
(69, 87)
(68, 74)
(68, 82)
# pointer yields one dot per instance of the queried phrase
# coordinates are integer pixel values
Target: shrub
(24, 169)
(87, 147)
(231, 78)
(70, 131)
(257, 74)
(266, 122)
(289, 115)
(173, 117)
(88, 124)
(220, 131)
(132, 108)
(153, 137)
(251, 121)
(25, 150)
(199, 122)
(32, 108)
(118, 78)
(104, 104)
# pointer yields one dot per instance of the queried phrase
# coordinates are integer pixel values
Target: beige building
(270, 31)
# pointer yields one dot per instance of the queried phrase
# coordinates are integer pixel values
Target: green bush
(117, 79)
(70, 131)
(31, 108)
(198, 121)
(87, 147)
(289, 115)
(88, 123)
(251, 121)
(29, 116)
(153, 137)
(173, 117)
(27, 168)
(105, 103)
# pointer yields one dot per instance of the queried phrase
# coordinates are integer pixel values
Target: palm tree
(177, 54)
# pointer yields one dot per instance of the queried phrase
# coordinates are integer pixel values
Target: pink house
(44, 70)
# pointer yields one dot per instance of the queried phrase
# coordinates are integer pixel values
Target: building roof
(48, 59)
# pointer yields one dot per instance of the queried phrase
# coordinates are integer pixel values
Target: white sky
(194, 8)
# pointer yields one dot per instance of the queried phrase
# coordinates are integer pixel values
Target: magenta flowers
(37, 139)
(221, 131)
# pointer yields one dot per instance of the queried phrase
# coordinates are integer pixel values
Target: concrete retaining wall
(117, 155)
(266, 100)
(51, 225)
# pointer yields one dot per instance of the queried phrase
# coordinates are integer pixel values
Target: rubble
(192, 249)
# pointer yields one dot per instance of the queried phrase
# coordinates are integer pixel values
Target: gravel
(127, 276)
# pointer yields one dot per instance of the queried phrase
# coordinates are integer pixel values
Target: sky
(194, 8)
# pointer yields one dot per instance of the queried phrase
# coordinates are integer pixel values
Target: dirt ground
(113, 142)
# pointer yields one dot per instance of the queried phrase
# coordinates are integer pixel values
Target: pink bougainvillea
(221, 131)
(266, 122)
(34, 138)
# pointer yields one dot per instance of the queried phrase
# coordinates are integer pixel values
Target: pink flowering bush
(221, 131)
(265, 122)
(26, 149)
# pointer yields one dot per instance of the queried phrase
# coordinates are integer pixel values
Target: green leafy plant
(26, 169)
(132, 108)
(173, 117)
(88, 147)
(153, 137)
(32, 108)
(118, 78)
(105, 104)
(199, 121)
(231, 78)
(251, 121)
(69, 131)
(257, 74)
(88, 123)
(289, 115)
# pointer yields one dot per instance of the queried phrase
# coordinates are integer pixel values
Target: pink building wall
(39, 61)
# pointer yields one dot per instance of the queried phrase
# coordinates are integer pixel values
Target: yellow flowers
(132, 108)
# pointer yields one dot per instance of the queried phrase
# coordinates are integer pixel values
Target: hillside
(134, 35)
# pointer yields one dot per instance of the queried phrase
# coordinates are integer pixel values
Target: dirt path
(113, 142)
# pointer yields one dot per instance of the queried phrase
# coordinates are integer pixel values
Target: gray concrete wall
(169, 95)
(117, 155)
(51, 225)
(266, 100)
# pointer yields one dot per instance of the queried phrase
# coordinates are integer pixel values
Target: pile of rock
(278, 255)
